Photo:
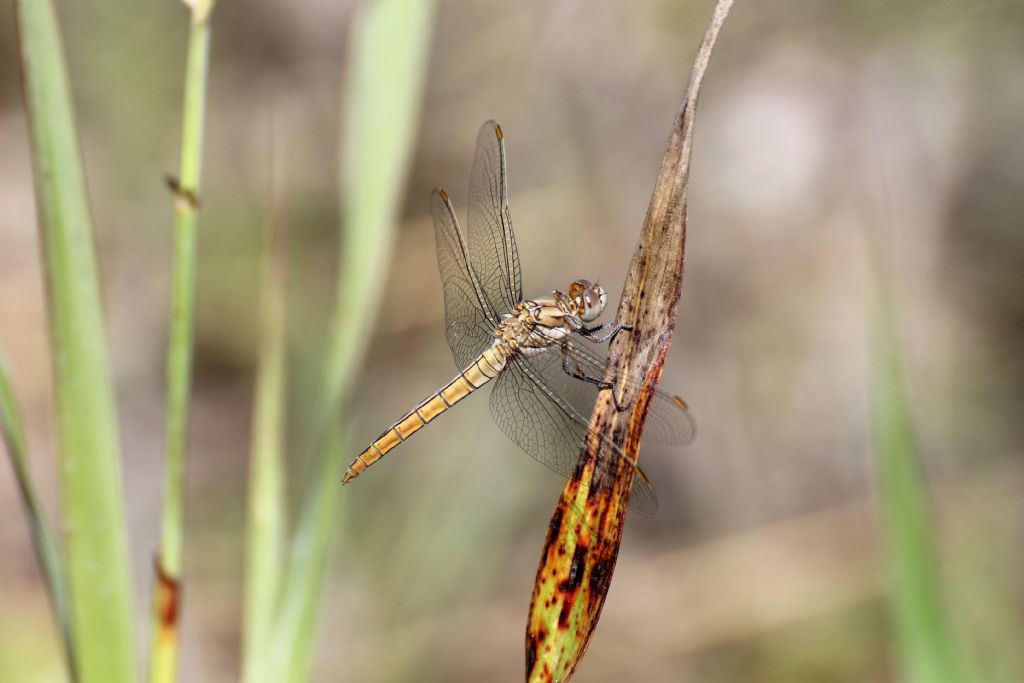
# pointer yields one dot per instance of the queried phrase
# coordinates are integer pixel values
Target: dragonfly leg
(572, 368)
(604, 332)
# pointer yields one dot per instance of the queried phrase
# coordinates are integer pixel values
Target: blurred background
(822, 127)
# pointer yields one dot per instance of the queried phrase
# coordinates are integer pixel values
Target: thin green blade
(385, 79)
(43, 543)
(928, 650)
(99, 581)
(266, 514)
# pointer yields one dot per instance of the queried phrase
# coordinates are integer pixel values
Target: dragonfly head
(588, 299)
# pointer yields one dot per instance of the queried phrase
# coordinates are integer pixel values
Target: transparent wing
(493, 254)
(547, 424)
(669, 422)
(469, 320)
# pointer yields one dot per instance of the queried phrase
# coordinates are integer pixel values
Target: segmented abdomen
(481, 371)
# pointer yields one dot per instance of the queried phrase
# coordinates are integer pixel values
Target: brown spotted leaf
(584, 534)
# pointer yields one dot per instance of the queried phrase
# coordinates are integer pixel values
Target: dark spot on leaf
(556, 523)
(577, 473)
(575, 578)
(168, 595)
(531, 651)
(563, 615)
(601, 576)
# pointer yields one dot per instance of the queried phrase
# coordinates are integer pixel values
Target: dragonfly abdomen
(486, 367)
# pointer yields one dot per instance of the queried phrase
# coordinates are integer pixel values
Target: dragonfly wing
(548, 425)
(492, 245)
(669, 421)
(470, 321)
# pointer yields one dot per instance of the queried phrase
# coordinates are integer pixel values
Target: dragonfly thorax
(535, 325)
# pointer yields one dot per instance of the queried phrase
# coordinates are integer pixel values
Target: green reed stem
(390, 41)
(928, 649)
(99, 580)
(266, 515)
(43, 543)
(166, 608)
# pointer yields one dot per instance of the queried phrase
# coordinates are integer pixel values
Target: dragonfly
(543, 356)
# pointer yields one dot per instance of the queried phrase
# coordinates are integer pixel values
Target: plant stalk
(43, 544)
(390, 40)
(266, 523)
(166, 609)
(93, 520)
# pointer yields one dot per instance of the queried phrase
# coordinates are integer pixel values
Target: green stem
(387, 67)
(929, 651)
(99, 580)
(166, 592)
(265, 534)
(46, 550)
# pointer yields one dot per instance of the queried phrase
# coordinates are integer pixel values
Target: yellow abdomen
(481, 371)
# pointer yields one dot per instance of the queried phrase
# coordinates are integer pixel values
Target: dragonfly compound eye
(591, 302)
